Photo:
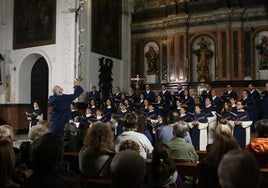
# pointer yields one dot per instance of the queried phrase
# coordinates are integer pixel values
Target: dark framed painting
(34, 23)
(106, 27)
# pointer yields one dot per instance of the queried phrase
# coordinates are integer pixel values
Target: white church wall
(62, 56)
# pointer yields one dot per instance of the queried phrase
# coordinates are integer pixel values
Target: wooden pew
(73, 159)
(264, 178)
(188, 169)
(201, 154)
(96, 182)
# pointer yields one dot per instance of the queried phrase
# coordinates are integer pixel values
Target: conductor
(60, 104)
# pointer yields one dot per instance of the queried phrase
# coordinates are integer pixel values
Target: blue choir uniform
(199, 132)
(150, 96)
(217, 102)
(242, 132)
(212, 121)
(35, 115)
(166, 95)
(94, 95)
(265, 105)
(189, 103)
(255, 96)
(178, 95)
(60, 112)
(229, 94)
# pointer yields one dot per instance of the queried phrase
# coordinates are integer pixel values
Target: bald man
(60, 104)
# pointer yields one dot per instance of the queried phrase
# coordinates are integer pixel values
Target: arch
(24, 69)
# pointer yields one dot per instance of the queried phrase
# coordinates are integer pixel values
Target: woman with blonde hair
(7, 164)
(98, 150)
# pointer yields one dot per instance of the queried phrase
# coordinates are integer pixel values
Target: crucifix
(137, 79)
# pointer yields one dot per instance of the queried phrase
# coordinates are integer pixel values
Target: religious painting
(106, 27)
(34, 23)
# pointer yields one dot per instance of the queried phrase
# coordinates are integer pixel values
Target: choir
(202, 118)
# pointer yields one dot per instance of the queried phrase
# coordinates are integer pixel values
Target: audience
(223, 143)
(128, 169)
(163, 172)
(180, 149)
(35, 132)
(259, 146)
(46, 156)
(238, 169)
(82, 130)
(129, 144)
(96, 155)
(163, 131)
(70, 138)
(130, 133)
(6, 133)
(7, 164)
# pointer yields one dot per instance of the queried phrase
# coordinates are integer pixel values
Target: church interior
(130, 45)
(157, 40)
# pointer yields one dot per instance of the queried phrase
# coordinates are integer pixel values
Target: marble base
(263, 74)
(151, 79)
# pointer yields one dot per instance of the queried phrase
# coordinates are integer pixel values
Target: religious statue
(203, 55)
(152, 58)
(263, 51)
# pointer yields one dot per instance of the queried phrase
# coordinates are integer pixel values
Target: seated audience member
(46, 156)
(128, 169)
(129, 144)
(81, 131)
(44, 123)
(70, 139)
(7, 164)
(131, 133)
(6, 133)
(180, 149)
(35, 133)
(238, 169)
(259, 146)
(163, 172)
(144, 127)
(163, 131)
(96, 155)
(222, 144)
